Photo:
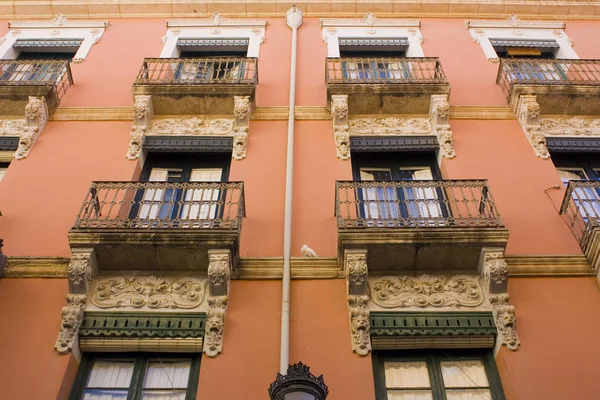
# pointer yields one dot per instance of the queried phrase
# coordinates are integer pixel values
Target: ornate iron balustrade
(162, 205)
(384, 70)
(533, 71)
(192, 71)
(412, 204)
(56, 73)
(581, 208)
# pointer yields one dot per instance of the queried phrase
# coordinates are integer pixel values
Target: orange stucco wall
(28, 332)
(41, 195)
(558, 326)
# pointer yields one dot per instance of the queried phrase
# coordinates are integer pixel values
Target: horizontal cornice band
(541, 9)
(269, 113)
(316, 268)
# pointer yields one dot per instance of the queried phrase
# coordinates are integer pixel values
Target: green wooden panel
(432, 324)
(174, 325)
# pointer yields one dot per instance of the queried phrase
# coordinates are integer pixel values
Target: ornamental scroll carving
(575, 126)
(151, 292)
(142, 120)
(72, 315)
(426, 291)
(495, 271)
(215, 325)
(439, 118)
(506, 321)
(528, 112)
(360, 327)
(192, 126)
(242, 107)
(390, 126)
(36, 115)
(341, 130)
(12, 127)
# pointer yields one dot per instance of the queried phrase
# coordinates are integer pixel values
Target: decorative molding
(192, 126)
(369, 20)
(36, 267)
(216, 20)
(12, 127)
(147, 292)
(341, 133)
(242, 110)
(528, 113)
(389, 126)
(142, 120)
(72, 315)
(92, 114)
(513, 22)
(240, 143)
(355, 268)
(575, 126)
(141, 324)
(219, 272)
(36, 115)
(506, 322)
(493, 269)
(203, 144)
(302, 268)
(537, 265)
(219, 275)
(81, 270)
(439, 111)
(59, 20)
(426, 291)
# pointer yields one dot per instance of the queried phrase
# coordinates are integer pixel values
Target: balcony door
(581, 168)
(36, 69)
(374, 63)
(391, 200)
(211, 66)
(175, 199)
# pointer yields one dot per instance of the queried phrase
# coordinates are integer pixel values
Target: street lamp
(298, 384)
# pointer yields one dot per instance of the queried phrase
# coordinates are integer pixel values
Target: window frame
(433, 359)
(186, 162)
(395, 161)
(588, 162)
(141, 361)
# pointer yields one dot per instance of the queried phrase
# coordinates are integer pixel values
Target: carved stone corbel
(36, 116)
(493, 269)
(242, 108)
(341, 131)
(72, 316)
(439, 110)
(528, 113)
(355, 266)
(219, 275)
(506, 322)
(81, 270)
(142, 121)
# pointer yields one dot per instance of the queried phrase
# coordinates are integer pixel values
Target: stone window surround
(90, 31)
(215, 27)
(514, 28)
(372, 27)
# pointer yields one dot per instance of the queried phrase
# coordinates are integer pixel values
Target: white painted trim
(483, 35)
(331, 35)
(200, 23)
(255, 36)
(59, 28)
(514, 22)
(358, 22)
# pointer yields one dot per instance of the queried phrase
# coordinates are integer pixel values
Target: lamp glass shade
(299, 396)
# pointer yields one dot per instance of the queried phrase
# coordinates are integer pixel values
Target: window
(374, 58)
(436, 375)
(156, 204)
(138, 376)
(581, 167)
(384, 202)
(213, 61)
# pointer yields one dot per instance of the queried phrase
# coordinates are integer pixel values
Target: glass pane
(298, 396)
(160, 375)
(468, 394)
(407, 374)
(104, 394)
(163, 395)
(464, 374)
(109, 374)
(567, 175)
(409, 395)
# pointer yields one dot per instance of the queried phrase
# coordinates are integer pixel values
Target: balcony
(20, 79)
(581, 209)
(196, 86)
(410, 226)
(159, 226)
(562, 86)
(377, 85)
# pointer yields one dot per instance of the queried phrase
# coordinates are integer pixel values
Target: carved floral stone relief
(72, 315)
(575, 126)
(192, 126)
(506, 321)
(390, 126)
(148, 292)
(426, 291)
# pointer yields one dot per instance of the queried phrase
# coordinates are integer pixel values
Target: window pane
(164, 395)
(109, 374)
(409, 395)
(408, 374)
(464, 374)
(103, 394)
(160, 375)
(468, 394)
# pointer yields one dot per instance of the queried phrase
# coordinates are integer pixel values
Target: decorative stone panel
(355, 266)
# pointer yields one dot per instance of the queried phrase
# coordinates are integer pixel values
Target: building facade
(444, 181)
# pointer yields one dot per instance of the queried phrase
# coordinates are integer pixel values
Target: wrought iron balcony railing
(533, 71)
(193, 71)
(55, 73)
(163, 205)
(384, 70)
(412, 204)
(581, 208)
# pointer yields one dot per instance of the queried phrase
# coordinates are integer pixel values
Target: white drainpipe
(294, 20)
